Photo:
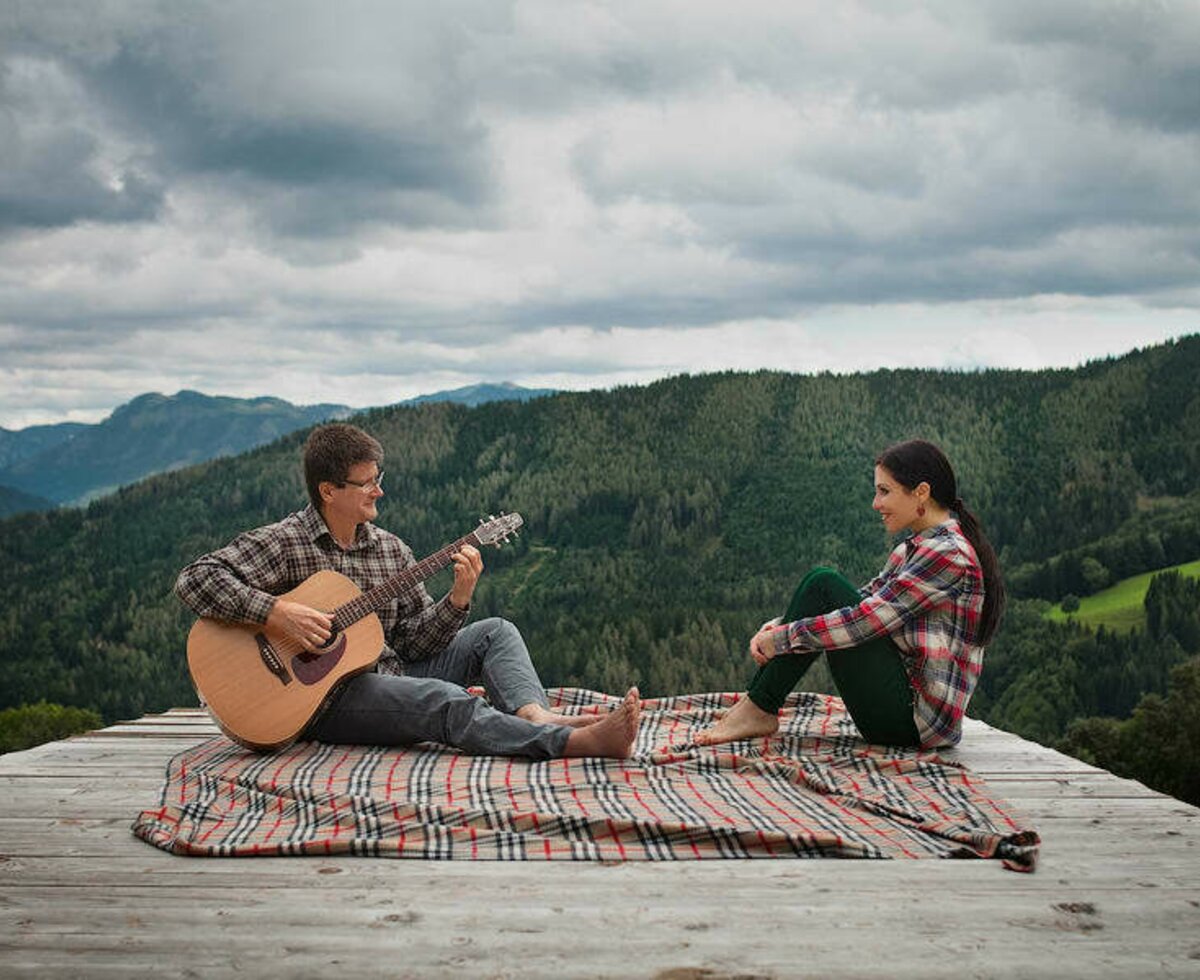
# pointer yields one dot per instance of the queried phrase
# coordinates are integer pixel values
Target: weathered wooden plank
(195, 718)
(259, 910)
(161, 728)
(122, 866)
(48, 902)
(839, 882)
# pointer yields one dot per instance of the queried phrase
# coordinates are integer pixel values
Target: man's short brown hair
(331, 450)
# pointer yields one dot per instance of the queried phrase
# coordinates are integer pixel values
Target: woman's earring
(920, 510)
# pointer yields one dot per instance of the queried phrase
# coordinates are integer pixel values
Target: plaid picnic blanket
(813, 790)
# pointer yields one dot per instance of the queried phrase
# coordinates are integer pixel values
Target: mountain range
(45, 466)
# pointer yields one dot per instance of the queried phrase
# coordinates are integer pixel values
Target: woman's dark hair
(915, 462)
(331, 450)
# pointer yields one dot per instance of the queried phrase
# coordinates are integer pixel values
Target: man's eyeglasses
(376, 483)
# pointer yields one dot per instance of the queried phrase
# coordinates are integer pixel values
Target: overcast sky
(359, 202)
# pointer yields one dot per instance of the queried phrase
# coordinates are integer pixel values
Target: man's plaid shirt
(240, 582)
(928, 601)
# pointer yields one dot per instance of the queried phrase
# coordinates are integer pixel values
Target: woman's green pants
(870, 678)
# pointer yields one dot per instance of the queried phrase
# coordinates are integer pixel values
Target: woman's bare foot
(544, 716)
(744, 720)
(611, 737)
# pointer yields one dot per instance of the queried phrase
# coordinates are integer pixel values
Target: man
(417, 690)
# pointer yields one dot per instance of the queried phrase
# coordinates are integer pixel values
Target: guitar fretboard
(354, 610)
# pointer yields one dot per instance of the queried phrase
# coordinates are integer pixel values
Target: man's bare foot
(612, 737)
(744, 720)
(544, 716)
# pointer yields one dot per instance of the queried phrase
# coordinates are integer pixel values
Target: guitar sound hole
(307, 656)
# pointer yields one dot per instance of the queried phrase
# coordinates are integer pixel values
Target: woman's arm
(932, 573)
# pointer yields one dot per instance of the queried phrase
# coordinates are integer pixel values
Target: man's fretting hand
(307, 626)
(468, 566)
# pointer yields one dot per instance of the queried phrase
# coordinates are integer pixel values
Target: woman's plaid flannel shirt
(240, 582)
(928, 601)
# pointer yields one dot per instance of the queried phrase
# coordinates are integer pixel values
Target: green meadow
(1119, 607)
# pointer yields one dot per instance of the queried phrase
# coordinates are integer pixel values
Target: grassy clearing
(1119, 607)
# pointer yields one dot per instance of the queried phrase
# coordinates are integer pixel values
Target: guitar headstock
(497, 530)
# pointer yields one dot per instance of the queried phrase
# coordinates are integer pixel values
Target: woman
(905, 651)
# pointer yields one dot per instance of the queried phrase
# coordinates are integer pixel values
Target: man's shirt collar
(315, 527)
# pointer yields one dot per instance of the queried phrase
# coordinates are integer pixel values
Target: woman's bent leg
(874, 685)
(756, 716)
(870, 678)
(820, 591)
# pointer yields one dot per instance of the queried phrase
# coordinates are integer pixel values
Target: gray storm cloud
(462, 173)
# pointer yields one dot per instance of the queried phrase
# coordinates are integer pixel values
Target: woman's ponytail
(995, 596)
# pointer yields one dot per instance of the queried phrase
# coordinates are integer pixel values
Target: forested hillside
(664, 523)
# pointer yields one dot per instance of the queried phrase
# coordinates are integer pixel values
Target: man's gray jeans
(430, 702)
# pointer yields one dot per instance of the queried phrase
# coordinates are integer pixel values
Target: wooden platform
(1117, 893)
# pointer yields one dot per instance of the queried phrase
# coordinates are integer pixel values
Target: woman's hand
(307, 626)
(468, 566)
(763, 646)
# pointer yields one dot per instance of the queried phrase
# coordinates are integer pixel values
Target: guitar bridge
(271, 659)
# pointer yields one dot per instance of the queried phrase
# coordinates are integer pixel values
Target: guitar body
(263, 688)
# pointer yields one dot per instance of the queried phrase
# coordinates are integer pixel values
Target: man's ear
(325, 489)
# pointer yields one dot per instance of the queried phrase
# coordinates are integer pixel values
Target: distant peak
(484, 391)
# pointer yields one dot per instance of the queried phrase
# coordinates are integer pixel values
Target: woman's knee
(821, 574)
(823, 580)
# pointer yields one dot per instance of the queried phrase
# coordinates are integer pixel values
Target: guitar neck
(397, 585)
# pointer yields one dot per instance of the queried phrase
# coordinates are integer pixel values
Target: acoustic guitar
(262, 688)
